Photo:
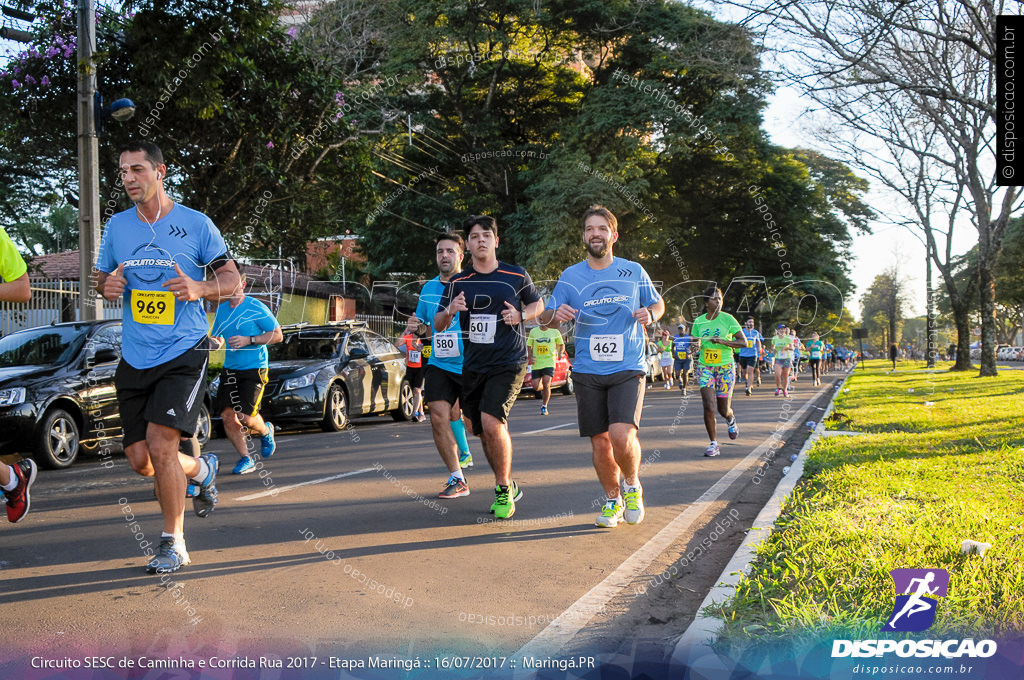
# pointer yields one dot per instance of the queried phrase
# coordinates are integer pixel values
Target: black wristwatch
(252, 340)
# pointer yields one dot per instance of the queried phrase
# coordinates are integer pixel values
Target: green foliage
(927, 474)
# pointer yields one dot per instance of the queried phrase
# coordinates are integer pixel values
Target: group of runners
(467, 353)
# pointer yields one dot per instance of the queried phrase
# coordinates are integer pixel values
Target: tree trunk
(929, 315)
(961, 318)
(987, 287)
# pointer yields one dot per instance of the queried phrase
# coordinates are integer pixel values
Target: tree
(883, 306)
(255, 135)
(932, 64)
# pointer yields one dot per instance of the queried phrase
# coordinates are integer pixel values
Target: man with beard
(443, 374)
(611, 300)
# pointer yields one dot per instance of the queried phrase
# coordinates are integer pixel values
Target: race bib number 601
(482, 328)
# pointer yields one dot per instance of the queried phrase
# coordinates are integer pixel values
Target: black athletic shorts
(441, 385)
(747, 362)
(493, 393)
(241, 390)
(414, 374)
(170, 394)
(605, 399)
(539, 373)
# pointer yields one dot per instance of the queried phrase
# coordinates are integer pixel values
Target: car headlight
(302, 381)
(214, 386)
(13, 396)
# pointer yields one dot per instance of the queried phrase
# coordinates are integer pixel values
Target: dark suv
(57, 391)
(326, 374)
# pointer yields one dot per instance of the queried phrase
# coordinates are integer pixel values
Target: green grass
(905, 494)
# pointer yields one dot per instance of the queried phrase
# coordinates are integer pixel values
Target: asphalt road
(343, 549)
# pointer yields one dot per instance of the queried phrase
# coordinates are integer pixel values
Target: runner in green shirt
(544, 346)
(719, 334)
(815, 351)
(13, 271)
(17, 479)
(783, 344)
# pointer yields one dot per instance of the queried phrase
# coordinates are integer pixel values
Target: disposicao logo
(914, 611)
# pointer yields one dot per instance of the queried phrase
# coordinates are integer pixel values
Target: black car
(57, 391)
(327, 374)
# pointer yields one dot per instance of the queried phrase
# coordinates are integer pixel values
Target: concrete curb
(693, 650)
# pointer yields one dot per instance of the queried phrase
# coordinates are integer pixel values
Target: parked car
(561, 380)
(57, 391)
(327, 374)
(653, 362)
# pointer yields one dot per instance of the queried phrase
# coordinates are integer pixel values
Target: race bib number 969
(153, 307)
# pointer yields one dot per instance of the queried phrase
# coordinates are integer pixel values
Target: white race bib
(414, 356)
(482, 327)
(606, 347)
(446, 345)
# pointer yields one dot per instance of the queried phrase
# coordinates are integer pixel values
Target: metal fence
(387, 326)
(52, 302)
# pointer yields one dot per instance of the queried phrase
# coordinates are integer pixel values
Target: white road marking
(321, 480)
(546, 429)
(557, 635)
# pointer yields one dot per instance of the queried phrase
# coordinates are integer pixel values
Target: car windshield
(41, 346)
(304, 347)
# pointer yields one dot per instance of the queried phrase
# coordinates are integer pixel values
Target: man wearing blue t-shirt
(155, 256)
(748, 355)
(443, 375)
(682, 356)
(245, 326)
(492, 300)
(611, 299)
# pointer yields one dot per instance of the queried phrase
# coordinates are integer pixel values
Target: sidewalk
(940, 462)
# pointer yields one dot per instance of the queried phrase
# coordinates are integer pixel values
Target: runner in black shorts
(493, 299)
(611, 300)
(155, 257)
(443, 374)
(245, 326)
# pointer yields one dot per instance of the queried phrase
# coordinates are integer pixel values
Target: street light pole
(89, 305)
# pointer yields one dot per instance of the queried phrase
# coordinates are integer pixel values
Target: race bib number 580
(446, 345)
(153, 307)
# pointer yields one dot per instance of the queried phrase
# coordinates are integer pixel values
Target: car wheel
(57, 441)
(568, 388)
(204, 426)
(405, 403)
(335, 410)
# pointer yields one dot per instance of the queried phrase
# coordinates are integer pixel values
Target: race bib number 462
(606, 347)
(153, 307)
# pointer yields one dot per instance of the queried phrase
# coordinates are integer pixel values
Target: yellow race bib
(542, 350)
(710, 356)
(153, 307)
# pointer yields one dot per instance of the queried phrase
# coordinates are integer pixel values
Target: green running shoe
(504, 505)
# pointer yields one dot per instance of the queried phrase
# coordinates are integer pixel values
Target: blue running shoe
(206, 498)
(170, 556)
(191, 490)
(244, 466)
(267, 443)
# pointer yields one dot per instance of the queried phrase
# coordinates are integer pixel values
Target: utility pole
(89, 305)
